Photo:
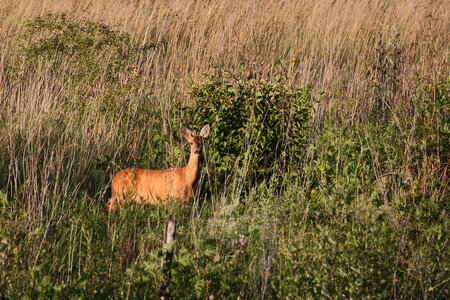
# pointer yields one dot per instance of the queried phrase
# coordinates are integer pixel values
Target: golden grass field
(88, 88)
(334, 45)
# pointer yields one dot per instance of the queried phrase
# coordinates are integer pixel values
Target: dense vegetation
(329, 155)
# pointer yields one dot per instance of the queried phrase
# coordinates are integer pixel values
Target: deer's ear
(205, 131)
(186, 132)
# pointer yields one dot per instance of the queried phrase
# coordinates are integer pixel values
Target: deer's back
(146, 186)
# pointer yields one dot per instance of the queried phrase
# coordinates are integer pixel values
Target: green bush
(379, 192)
(259, 127)
(90, 60)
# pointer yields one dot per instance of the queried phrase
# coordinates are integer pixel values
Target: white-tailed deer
(146, 186)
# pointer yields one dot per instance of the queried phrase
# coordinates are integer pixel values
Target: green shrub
(94, 47)
(259, 127)
(379, 190)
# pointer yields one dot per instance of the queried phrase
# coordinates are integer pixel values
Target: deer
(148, 186)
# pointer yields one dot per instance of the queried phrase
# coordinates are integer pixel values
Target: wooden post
(169, 236)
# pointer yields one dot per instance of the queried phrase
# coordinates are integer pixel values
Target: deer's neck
(191, 168)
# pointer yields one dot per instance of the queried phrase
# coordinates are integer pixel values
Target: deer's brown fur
(147, 186)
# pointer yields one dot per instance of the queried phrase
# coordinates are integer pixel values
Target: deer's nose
(198, 151)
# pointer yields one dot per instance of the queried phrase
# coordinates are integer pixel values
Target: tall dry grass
(369, 52)
(334, 45)
(67, 123)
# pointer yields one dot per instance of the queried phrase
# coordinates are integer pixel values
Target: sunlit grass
(362, 212)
